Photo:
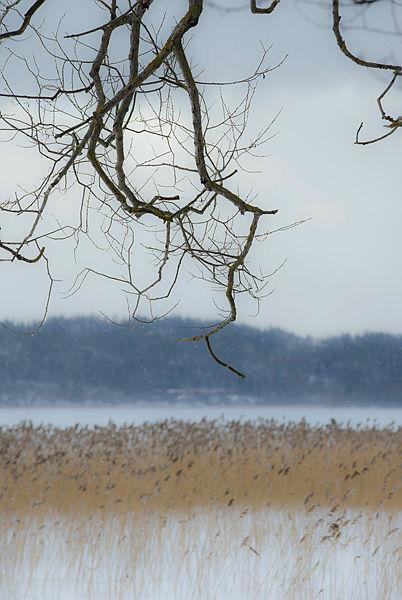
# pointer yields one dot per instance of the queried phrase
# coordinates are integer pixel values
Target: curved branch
(26, 21)
(220, 362)
(336, 20)
(256, 10)
(18, 256)
(374, 140)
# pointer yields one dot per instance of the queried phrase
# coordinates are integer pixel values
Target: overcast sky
(343, 268)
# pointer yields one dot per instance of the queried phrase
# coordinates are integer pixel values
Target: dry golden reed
(178, 466)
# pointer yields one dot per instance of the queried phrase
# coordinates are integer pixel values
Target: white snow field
(217, 555)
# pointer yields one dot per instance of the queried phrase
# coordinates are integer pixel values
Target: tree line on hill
(90, 360)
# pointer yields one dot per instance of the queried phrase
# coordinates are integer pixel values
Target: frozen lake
(101, 415)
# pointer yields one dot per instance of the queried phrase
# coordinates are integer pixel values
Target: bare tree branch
(100, 122)
(25, 22)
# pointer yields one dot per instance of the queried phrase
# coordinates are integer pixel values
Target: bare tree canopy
(148, 148)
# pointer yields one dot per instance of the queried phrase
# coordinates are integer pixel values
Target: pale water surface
(101, 415)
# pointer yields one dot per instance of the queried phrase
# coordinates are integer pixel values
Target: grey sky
(343, 266)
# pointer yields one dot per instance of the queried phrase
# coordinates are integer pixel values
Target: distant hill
(89, 360)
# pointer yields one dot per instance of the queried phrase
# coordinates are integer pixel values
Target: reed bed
(177, 510)
(176, 466)
(272, 554)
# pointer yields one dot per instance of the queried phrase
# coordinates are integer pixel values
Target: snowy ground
(236, 554)
(232, 553)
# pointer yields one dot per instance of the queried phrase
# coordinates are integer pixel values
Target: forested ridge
(92, 360)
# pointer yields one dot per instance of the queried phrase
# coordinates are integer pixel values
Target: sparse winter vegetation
(282, 511)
